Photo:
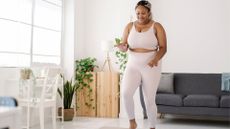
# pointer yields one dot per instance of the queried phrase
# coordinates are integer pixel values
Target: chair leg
(54, 117)
(41, 115)
(28, 118)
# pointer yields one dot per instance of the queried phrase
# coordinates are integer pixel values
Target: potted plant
(69, 89)
(83, 76)
(25, 73)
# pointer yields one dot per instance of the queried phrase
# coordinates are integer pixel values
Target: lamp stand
(107, 60)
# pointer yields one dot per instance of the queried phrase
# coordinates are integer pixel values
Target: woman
(145, 41)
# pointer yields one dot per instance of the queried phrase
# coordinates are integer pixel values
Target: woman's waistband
(142, 50)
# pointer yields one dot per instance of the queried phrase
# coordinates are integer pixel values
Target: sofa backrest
(197, 83)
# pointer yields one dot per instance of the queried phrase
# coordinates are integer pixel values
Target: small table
(10, 117)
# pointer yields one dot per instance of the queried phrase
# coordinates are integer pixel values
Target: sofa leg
(161, 116)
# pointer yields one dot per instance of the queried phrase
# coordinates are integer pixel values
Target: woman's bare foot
(133, 124)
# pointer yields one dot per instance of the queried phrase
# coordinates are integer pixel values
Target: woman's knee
(150, 103)
(126, 94)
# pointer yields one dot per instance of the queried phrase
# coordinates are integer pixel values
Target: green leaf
(83, 75)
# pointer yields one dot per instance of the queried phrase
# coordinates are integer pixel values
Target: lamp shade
(107, 45)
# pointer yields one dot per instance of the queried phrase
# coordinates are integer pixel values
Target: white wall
(98, 20)
(197, 31)
(68, 39)
(79, 29)
(198, 34)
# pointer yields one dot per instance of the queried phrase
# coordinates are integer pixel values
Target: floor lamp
(107, 46)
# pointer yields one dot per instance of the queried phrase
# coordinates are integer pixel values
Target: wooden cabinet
(105, 95)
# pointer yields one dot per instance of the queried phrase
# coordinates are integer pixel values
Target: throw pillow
(166, 83)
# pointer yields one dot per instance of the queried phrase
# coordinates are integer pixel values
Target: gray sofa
(196, 94)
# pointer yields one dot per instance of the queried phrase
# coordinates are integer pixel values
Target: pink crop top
(145, 39)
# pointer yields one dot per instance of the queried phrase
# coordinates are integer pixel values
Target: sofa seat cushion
(201, 101)
(169, 99)
(225, 101)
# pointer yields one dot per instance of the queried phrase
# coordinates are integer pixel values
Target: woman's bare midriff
(142, 50)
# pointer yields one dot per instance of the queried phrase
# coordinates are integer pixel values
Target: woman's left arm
(162, 41)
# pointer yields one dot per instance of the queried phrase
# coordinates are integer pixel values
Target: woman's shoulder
(157, 24)
(129, 25)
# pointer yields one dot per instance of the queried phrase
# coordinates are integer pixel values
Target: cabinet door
(107, 94)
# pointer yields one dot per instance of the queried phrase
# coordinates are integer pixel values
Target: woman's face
(142, 14)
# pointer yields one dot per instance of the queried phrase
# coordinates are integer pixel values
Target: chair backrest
(43, 84)
(50, 83)
(8, 101)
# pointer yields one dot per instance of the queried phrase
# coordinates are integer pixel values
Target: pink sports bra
(146, 40)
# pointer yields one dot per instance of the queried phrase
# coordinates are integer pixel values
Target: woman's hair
(145, 4)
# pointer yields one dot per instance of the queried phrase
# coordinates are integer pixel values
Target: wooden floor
(122, 123)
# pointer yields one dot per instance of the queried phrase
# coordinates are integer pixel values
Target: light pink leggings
(138, 73)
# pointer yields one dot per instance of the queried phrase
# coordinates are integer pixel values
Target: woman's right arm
(123, 46)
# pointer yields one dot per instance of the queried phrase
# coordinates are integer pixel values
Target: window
(30, 32)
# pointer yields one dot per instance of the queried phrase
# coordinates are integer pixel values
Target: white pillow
(166, 83)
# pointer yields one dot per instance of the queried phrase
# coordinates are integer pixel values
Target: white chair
(47, 84)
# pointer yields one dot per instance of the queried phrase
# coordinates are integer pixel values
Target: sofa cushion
(201, 101)
(225, 101)
(169, 99)
(166, 83)
(197, 83)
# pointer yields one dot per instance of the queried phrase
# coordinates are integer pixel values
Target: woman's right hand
(122, 47)
(153, 63)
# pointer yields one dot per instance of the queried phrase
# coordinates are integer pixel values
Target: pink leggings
(138, 73)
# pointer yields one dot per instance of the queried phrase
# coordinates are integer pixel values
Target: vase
(68, 114)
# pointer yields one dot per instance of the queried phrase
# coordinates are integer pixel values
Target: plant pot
(68, 114)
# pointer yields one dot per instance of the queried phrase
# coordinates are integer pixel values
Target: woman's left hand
(153, 63)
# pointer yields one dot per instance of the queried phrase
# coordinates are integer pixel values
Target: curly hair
(145, 4)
